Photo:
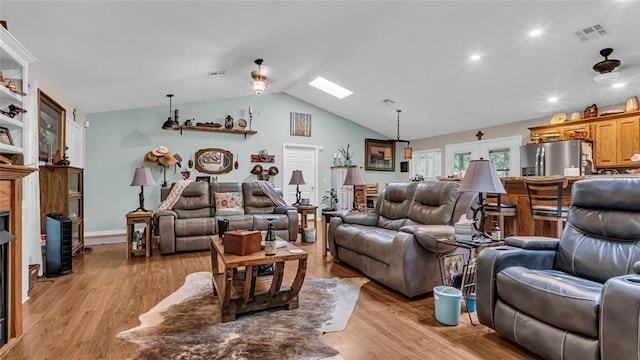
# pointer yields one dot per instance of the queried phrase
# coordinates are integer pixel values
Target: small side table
(305, 210)
(139, 217)
(326, 218)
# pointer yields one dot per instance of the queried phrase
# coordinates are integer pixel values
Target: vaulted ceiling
(112, 55)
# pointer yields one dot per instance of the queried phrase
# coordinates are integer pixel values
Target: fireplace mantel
(11, 199)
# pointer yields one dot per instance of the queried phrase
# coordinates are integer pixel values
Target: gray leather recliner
(577, 297)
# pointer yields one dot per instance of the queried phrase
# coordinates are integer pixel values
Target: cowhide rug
(186, 324)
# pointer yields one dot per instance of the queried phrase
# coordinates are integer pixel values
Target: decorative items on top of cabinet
(62, 191)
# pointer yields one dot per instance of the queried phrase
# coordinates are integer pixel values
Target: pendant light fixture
(408, 151)
(170, 124)
(259, 83)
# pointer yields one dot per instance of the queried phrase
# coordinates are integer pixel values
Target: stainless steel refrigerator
(552, 158)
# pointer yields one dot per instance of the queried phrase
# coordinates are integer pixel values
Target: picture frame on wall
(300, 124)
(379, 155)
(404, 166)
(51, 127)
(5, 136)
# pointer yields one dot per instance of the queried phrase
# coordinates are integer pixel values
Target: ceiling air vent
(388, 101)
(591, 32)
(216, 73)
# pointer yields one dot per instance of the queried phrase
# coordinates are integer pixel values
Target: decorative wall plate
(242, 123)
(558, 118)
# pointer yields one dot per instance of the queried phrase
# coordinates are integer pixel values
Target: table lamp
(297, 180)
(354, 177)
(142, 177)
(481, 177)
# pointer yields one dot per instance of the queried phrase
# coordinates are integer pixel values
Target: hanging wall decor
(300, 124)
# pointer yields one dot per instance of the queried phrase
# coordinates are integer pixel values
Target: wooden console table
(242, 291)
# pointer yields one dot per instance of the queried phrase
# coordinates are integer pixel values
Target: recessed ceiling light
(535, 32)
(553, 99)
(618, 85)
(331, 88)
(475, 57)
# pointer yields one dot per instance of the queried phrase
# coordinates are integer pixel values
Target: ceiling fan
(605, 67)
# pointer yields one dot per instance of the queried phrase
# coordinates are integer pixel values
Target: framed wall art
(300, 124)
(214, 161)
(379, 155)
(51, 127)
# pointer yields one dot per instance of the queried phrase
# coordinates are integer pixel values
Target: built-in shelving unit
(218, 129)
(14, 62)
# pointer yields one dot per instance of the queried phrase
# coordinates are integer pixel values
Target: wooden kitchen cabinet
(605, 143)
(628, 141)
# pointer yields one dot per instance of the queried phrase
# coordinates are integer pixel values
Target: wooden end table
(242, 291)
(305, 210)
(139, 217)
(326, 218)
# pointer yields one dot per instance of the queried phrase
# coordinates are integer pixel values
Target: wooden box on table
(241, 242)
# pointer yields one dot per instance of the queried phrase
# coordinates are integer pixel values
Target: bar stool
(545, 201)
(497, 209)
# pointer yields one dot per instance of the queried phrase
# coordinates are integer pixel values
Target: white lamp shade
(354, 177)
(142, 177)
(482, 177)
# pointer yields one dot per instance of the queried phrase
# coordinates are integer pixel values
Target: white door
(305, 159)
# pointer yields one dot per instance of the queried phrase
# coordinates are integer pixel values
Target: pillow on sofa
(229, 203)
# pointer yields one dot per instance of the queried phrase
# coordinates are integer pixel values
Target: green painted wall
(117, 141)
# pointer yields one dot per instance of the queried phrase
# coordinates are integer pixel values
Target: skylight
(330, 87)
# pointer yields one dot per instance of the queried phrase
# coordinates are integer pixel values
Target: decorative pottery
(591, 111)
(631, 104)
(242, 123)
(558, 118)
(576, 115)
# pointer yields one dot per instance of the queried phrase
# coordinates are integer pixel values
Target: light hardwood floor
(78, 316)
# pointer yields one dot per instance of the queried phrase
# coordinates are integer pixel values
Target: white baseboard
(104, 237)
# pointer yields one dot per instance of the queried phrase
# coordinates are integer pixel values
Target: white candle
(335, 155)
(339, 156)
(250, 110)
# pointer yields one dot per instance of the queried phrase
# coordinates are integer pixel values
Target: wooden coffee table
(239, 288)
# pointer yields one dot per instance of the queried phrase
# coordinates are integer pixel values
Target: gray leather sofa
(193, 219)
(396, 244)
(577, 297)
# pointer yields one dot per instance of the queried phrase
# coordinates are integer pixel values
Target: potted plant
(330, 200)
(347, 155)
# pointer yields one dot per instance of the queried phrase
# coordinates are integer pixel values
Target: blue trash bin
(447, 304)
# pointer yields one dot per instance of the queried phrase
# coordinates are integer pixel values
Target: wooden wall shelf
(220, 129)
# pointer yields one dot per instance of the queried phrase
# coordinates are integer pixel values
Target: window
(460, 162)
(504, 152)
(500, 158)
(427, 163)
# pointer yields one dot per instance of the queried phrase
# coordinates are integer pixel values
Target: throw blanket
(271, 193)
(174, 195)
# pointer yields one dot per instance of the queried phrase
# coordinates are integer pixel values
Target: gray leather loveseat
(577, 297)
(193, 219)
(396, 244)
